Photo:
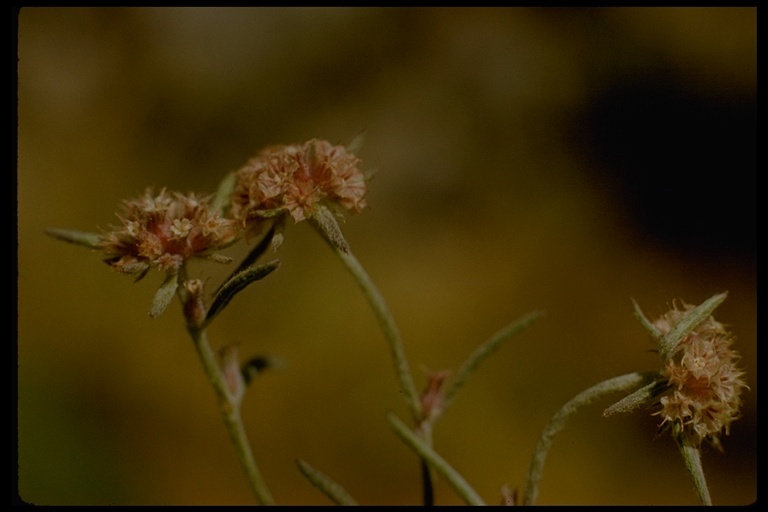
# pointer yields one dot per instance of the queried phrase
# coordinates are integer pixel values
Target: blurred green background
(563, 159)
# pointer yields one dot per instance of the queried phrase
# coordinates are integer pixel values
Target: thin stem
(692, 458)
(426, 483)
(424, 431)
(389, 329)
(621, 383)
(392, 334)
(435, 461)
(230, 413)
(325, 224)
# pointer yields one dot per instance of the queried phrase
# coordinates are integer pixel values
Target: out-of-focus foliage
(564, 159)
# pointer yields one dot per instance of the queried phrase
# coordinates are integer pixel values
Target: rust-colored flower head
(703, 382)
(296, 179)
(163, 231)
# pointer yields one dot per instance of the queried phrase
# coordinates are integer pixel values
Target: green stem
(324, 222)
(230, 413)
(424, 431)
(692, 458)
(392, 334)
(622, 383)
(425, 451)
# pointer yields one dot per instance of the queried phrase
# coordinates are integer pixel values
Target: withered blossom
(703, 383)
(164, 230)
(296, 179)
(433, 397)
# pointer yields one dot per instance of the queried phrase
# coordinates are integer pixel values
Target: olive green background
(492, 198)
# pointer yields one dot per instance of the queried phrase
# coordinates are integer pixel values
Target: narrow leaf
(638, 398)
(558, 421)
(257, 251)
(356, 144)
(646, 323)
(236, 284)
(482, 352)
(330, 488)
(688, 323)
(223, 195)
(90, 240)
(164, 295)
(439, 464)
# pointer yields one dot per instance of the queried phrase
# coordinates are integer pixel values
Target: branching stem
(230, 413)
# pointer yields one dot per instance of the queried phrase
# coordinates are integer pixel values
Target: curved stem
(325, 224)
(230, 413)
(556, 424)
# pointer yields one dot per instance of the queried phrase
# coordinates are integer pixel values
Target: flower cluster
(296, 179)
(703, 382)
(164, 230)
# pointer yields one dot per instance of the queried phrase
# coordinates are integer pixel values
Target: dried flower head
(703, 382)
(296, 179)
(164, 230)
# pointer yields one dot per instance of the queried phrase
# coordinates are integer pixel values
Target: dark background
(564, 159)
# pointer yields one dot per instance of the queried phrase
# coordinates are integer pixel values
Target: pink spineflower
(703, 381)
(164, 231)
(295, 179)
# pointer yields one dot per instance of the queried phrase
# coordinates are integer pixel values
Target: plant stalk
(389, 329)
(692, 458)
(558, 421)
(230, 413)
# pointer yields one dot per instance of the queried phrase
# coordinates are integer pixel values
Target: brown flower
(703, 382)
(164, 231)
(295, 179)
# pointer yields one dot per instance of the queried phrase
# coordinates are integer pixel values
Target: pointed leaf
(328, 487)
(90, 240)
(634, 400)
(257, 251)
(626, 382)
(357, 143)
(143, 269)
(164, 295)
(688, 323)
(482, 352)
(646, 323)
(238, 283)
(223, 195)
